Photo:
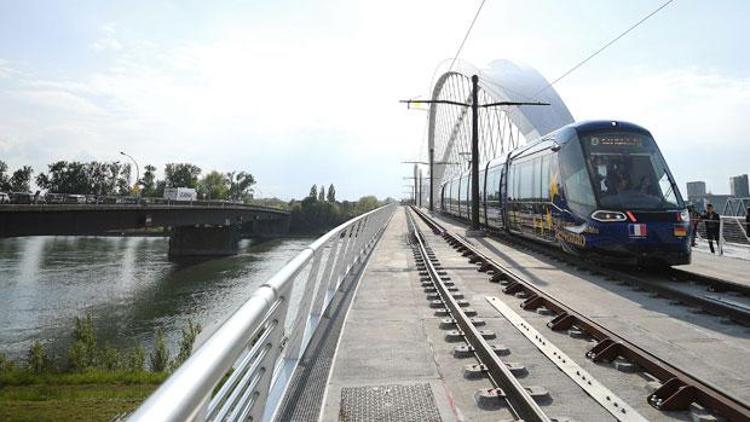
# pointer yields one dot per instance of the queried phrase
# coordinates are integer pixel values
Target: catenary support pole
(475, 153)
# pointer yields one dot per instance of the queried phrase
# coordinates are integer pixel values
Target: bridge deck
(394, 361)
(724, 267)
(677, 334)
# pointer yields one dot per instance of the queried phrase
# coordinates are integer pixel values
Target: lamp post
(474, 139)
(137, 171)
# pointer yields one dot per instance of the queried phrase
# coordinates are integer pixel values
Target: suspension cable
(460, 47)
(604, 47)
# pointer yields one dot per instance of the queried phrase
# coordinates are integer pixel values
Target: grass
(87, 396)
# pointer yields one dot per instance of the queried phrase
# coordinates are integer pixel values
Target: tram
(599, 188)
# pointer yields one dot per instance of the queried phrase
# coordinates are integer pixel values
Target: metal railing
(243, 370)
(732, 231)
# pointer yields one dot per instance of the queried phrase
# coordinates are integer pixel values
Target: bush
(83, 352)
(189, 335)
(6, 365)
(109, 359)
(159, 359)
(37, 360)
(135, 359)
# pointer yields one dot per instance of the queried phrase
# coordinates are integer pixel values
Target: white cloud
(314, 98)
(108, 40)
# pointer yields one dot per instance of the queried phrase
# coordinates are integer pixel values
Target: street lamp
(137, 171)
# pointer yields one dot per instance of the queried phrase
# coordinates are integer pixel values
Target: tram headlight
(608, 216)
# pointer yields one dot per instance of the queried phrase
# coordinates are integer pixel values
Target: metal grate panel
(390, 403)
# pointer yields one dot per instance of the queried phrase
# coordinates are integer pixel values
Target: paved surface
(723, 267)
(393, 341)
(706, 346)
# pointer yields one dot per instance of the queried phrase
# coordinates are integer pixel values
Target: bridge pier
(195, 241)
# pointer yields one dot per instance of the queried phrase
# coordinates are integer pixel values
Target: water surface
(127, 284)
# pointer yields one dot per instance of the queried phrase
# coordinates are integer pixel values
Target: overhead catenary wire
(604, 47)
(460, 47)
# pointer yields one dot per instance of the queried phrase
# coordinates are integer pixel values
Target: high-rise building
(696, 190)
(739, 187)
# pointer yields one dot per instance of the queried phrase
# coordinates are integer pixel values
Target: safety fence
(730, 231)
(243, 369)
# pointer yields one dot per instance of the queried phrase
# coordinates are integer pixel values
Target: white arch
(502, 80)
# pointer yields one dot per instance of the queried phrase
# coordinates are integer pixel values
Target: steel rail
(678, 388)
(738, 314)
(520, 401)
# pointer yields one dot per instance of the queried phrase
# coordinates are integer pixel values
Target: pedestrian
(695, 218)
(747, 223)
(712, 220)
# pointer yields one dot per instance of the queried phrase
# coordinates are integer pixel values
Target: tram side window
(544, 180)
(526, 180)
(578, 190)
(536, 181)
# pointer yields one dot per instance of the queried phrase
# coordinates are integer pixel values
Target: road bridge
(205, 228)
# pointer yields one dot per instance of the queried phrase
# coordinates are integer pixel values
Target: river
(126, 283)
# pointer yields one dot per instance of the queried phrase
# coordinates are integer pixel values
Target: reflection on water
(127, 284)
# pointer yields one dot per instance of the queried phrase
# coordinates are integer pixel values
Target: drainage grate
(391, 402)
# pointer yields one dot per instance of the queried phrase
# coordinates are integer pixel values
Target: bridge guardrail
(733, 231)
(255, 352)
(136, 202)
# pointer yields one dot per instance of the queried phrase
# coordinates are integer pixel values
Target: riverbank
(94, 395)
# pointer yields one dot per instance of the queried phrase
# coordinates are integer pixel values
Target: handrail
(262, 343)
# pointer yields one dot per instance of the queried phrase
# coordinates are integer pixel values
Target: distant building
(696, 191)
(739, 187)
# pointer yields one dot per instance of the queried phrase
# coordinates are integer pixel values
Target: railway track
(722, 298)
(677, 389)
(505, 385)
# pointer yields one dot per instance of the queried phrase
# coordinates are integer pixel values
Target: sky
(306, 92)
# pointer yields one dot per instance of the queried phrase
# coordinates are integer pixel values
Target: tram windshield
(628, 172)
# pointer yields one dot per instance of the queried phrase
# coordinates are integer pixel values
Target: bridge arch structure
(501, 129)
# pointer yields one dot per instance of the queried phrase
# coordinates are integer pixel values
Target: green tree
(122, 179)
(240, 185)
(148, 181)
(189, 334)
(181, 175)
(4, 180)
(331, 193)
(66, 177)
(313, 192)
(365, 204)
(214, 185)
(322, 194)
(21, 179)
(37, 360)
(159, 359)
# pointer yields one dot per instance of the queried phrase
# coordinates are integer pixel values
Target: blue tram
(598, 188)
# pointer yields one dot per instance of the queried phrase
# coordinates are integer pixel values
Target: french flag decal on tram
(637, 230)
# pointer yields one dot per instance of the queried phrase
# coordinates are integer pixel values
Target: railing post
(300, 327)
(720, 241)
(320, 295)
(268, 363)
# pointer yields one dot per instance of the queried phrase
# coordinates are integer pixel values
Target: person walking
(695, 218)
(712, 219)
(747, 223)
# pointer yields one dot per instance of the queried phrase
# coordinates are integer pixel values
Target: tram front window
(628, 172)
